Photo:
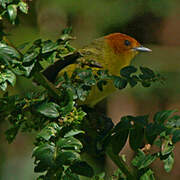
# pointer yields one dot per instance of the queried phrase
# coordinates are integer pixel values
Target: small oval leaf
(127, 71)
(119, 82)
(82, 168)
(48, 109)
(12, 11)
(23, 7)
(136, 137)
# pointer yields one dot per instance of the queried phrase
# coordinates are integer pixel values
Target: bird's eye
(127, 43)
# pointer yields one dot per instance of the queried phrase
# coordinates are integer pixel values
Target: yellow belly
(96, 95)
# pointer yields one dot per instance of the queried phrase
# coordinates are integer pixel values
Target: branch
(53, 92)
(120, 164)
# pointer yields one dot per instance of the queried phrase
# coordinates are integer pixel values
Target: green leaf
(69, 103)
(70, 176)
(153, 130)
(48, 109)
(4, 2)
(7, 76)
(23, 7)
(52, 57)
(161, 116)
(49, 46)
(26, 70)
(82, 168)
(12, 132)
(124, 124)
(119, 82)
(44, 157)
(10, 77)
(103, 74)
(141, 121)
(73, 132)
(30, 56)
(169, 162)
(49, 131)
(101, 84)
(66, 157)
(173, 122)
(37, 42)
(43, 152)
(146, 84)
(82, 93)
(176, 136)
(8, 51)
(167, 147)
(146, 73)
(40, 167)
(3, 86)
(69, 143)
(100, 176)
(118, 141)
(4, 59)
(127, 71)
(132, 81)
(67, 30)
(136, 137)
(148, 175)
(12, 11)
(142, 161)
(86, 76)
(119, 135)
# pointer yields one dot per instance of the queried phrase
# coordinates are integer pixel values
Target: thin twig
(120, 164)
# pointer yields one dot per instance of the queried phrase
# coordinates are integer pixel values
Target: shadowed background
(155, 24)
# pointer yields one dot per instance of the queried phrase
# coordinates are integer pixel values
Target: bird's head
(124, 44)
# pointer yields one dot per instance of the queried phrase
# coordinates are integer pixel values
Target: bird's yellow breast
(114, 63)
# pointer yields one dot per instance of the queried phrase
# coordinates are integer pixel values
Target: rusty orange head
(122, 43)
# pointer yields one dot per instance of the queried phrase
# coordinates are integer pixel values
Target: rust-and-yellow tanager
(112, 52)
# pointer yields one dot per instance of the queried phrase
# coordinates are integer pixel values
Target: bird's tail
(52, 71)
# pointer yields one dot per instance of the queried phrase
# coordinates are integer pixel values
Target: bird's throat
(115, 62)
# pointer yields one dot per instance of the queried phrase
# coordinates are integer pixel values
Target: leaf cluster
(9, 9)
(13, 62)
(57, 153)
(162, 132)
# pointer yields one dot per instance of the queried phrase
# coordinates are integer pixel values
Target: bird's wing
(89, 55)
(93, 53)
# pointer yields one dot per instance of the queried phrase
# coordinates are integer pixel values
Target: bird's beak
(142, 49)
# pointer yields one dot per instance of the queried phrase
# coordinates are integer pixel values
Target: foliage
(9, 9)
(63, 126)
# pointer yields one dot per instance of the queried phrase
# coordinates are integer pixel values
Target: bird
(112, 52)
